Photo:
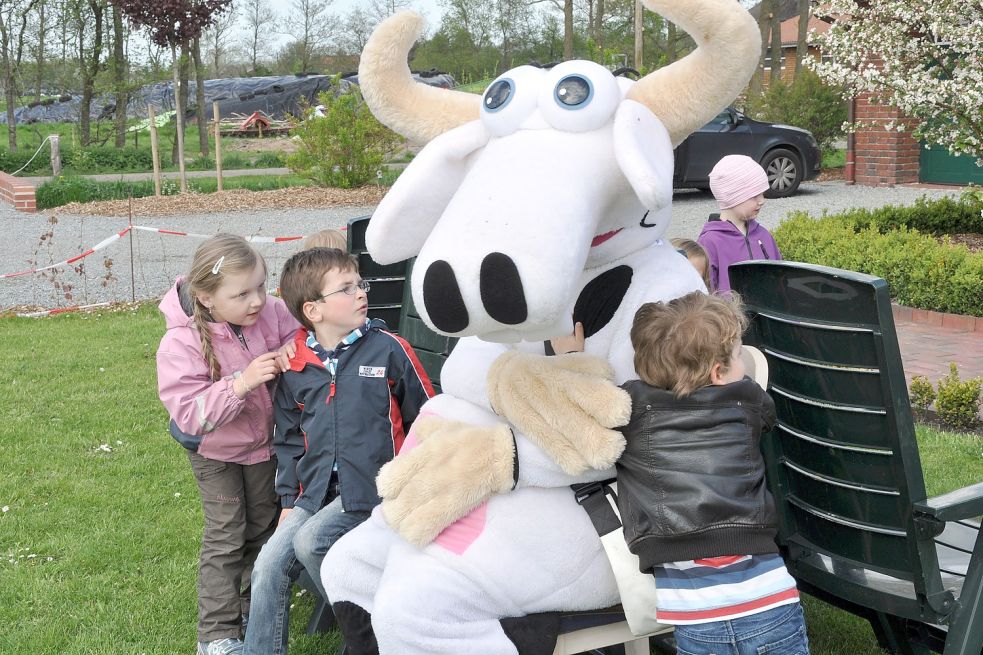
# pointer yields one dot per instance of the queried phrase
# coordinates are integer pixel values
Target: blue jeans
(301, 541)
(778, 631)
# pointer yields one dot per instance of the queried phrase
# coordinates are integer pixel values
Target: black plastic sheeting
(277, 96)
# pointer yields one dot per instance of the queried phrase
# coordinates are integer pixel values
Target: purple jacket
(232, 430)
(725, 245)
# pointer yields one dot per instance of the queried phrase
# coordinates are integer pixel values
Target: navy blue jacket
(357, 418)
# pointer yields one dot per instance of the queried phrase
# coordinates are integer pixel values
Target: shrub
(66, 189)
(807, 102)
(922, 393)
(346, 146)
(234, 160)
(12, 161)
(958, 402)
(109, 158)
(921, 271)
(269, 160)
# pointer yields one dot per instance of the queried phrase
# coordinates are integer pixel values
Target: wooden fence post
(218, 145)
(55, 155)
(154, 148)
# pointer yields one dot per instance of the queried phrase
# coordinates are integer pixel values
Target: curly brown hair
(677, 343)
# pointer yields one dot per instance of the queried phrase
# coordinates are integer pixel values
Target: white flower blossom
(925, 58)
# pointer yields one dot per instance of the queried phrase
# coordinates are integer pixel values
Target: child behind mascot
(691, 482)
(342, 409)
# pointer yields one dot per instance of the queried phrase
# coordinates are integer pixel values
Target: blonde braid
(205, 333)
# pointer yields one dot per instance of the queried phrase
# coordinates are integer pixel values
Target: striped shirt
(721, 588)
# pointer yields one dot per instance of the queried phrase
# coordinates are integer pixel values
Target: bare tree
(768, 8)
(201, 114)
(89, 60)
(311, 27)
(802, 46)
(217, 40)
(513, 22)
(567, 29)
(356, 29)
(38, 50)
(13, 24)
(261, 21)
(776, 47)
(120, 77)
(380, 10)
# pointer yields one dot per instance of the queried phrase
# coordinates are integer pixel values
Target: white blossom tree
(921, 56)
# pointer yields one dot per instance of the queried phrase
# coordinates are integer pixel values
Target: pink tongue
(601, 238)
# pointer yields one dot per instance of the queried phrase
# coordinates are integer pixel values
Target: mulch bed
(233, 200)
(930, 418)
(973, 241)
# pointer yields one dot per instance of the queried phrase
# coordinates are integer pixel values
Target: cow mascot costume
(540, 203)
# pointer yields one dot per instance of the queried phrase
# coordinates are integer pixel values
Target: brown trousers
(240, 508)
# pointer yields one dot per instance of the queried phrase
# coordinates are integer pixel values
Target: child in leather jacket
(691, 483)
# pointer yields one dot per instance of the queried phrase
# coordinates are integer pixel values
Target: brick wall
(883, 158)
(17, 192)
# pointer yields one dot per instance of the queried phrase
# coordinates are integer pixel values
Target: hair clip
(218, 265)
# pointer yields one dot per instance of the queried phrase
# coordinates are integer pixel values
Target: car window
(723, 118)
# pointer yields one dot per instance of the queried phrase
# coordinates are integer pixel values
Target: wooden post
(218, 145)
(55, 155)
(638, 35)
(154, 148)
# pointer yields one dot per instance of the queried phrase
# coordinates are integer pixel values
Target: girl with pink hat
(738, 184)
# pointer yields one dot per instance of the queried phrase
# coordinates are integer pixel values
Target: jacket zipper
(336, 470)
(747, 243)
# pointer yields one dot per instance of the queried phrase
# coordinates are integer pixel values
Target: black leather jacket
(691, 482)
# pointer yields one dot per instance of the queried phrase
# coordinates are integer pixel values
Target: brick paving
(927, 349)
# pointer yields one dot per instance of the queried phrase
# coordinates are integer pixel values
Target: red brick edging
(959, 322)
(17, 192)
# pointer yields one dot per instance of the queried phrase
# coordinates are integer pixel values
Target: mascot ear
(407, 215)
(644, 153)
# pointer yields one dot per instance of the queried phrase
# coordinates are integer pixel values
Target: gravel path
(158, 259)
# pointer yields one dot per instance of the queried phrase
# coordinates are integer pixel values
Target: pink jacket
(232, 430)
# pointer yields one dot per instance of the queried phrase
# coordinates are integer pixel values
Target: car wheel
(784, 169)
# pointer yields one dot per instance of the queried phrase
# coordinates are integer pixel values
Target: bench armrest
(962, 503)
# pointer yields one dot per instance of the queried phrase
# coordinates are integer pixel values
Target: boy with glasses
(341, 411)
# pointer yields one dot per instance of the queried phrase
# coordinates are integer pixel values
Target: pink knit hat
(736, 178)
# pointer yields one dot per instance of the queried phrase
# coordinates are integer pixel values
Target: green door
(937, 166)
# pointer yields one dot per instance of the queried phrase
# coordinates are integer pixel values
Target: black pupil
(497, 94)
(572, 91)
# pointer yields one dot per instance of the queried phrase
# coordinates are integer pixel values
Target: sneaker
(228, 646)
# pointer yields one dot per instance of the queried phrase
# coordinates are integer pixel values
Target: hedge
(922, 270)
(65, 189)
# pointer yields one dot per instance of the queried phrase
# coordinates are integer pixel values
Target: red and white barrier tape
(105, 242)
(99, 246)
(251, 239)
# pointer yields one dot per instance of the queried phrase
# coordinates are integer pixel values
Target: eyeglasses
(348, 290)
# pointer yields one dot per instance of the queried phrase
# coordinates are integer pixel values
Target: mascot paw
(455, 468)
(566, 404)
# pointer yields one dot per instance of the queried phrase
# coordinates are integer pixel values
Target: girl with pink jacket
(225, 343)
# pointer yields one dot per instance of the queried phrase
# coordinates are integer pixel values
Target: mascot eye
(573, 92)
(499, 94)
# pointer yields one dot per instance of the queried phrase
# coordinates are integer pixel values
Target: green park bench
(856, 527)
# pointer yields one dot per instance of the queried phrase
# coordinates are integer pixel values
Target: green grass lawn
(101, 520)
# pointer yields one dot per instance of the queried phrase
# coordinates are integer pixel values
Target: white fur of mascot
(545, 199)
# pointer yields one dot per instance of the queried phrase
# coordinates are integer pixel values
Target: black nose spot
(501, 290)
(442, 298)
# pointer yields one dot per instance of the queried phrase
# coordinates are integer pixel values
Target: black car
(788, 154)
